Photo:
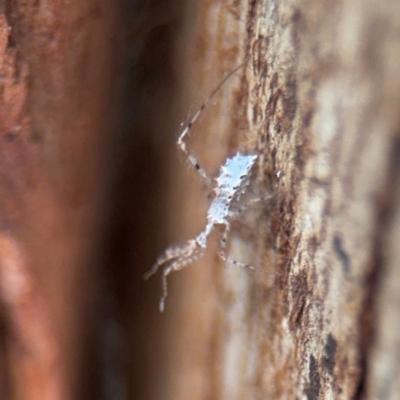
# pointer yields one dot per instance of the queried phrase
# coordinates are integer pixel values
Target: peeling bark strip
(319, 102)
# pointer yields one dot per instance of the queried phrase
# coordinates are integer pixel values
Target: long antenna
(186, 129)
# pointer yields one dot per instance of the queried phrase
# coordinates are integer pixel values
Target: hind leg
(175, 259)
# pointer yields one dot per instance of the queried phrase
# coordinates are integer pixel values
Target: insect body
(231, 183)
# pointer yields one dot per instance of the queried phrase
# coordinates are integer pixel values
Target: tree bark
(318, 101)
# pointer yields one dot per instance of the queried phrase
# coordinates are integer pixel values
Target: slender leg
(240, 210)
(223, 253)
(228, 260)
(175, 259)
(176, 266)
(223, 242)
(190, 156)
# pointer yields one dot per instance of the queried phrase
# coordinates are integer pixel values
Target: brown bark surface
(319, 102)
(92, 190)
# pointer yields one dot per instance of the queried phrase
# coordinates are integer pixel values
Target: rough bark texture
(91, 191)
(319, 101)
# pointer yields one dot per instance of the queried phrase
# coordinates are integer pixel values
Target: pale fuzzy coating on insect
(232, 182)
(230, 185)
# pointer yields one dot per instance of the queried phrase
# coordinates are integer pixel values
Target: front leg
(191, 158)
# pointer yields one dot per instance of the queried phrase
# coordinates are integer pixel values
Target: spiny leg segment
(187, 128)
